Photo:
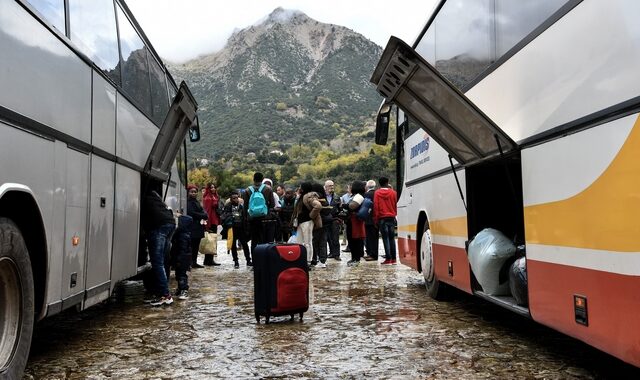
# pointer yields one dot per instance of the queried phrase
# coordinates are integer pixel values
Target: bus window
(463, 40)
(135, 67)
(514, 20)
(52, 11)
(159, 94)
(92, 27)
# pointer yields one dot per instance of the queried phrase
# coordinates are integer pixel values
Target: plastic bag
(209, 244)
(518, 281)
(488, 251)
(293, 239)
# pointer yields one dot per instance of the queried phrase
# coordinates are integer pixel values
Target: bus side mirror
(194, 130)
(382, 124)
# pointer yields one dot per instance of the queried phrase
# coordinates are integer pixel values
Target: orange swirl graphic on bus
(604, 216)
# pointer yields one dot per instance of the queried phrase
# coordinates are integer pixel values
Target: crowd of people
(311, 215)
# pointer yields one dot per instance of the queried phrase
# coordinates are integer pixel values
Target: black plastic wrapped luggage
(281, 280)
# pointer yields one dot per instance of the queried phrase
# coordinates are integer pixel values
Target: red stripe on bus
(442, 255)
(613, 306)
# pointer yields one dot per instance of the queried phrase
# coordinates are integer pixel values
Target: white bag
(293, 239)
(488, 252)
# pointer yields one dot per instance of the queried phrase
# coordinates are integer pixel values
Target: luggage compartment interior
(495, 200)
(494, 197)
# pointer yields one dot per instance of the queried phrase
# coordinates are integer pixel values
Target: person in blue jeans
(385, 210)
(159, 224)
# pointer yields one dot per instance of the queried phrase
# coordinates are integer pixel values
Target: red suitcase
(281, 280)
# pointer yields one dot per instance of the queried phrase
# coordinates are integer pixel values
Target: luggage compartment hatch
(403, 77)
(179, 119)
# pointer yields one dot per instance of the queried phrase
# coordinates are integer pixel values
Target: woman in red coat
(211, 203)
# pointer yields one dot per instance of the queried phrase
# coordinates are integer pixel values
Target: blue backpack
(364, 209)
(257, 203)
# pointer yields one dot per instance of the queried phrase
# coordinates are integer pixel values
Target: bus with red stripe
(524, 117)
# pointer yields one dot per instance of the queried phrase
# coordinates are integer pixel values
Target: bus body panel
(582, 234)
(57, 225)
(126, 224)
(613, 306)
(100, 234)
(542, 86)
(49, 73)
(103, 131)
(452, 266)
(75, 226)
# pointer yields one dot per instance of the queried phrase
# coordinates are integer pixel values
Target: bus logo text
(420, 147)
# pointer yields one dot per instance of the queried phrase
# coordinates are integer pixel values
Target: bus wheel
(435, 289)
(16, 301)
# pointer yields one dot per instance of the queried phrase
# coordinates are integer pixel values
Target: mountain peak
(281, 15)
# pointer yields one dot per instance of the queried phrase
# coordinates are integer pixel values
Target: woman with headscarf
(200, 217)
(211, 203)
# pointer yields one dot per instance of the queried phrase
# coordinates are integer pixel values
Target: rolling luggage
(281, 280)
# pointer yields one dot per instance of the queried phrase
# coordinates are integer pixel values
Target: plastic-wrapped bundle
(518, 281)
(488, 251)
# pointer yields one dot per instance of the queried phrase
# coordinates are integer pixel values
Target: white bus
(89, 120)
(523, 116)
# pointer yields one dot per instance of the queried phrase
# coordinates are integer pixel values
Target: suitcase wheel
(258, 318)
(267, 321)
(300, 317)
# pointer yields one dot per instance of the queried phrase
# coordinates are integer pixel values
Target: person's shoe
(387, 262)
(369, 258)
(353, 263)
(183, 294)
(164, 300)
(196, 265)
(321, 265)
(249, 263)
(236, 265)
(337, 258)
(346, 250)
(313, 263)
(393, 262)
(215, 264)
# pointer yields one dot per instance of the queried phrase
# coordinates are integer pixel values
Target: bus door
(491, 159)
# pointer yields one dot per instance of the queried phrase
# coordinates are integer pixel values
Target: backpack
(257, 203)
(365, 208)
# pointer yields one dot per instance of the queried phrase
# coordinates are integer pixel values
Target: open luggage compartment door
(180, 118)
(403, 77)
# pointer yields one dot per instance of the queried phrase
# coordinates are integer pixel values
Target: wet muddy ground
(370, 321)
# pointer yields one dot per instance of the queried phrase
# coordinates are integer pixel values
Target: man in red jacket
(385, 209)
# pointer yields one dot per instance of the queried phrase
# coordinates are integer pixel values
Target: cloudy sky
(184, 29)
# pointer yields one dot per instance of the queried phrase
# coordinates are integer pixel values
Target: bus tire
(16, 301)
(435, 288)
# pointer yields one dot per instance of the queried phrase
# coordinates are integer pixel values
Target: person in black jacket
(181, 255)
(331, 225)
(232, 218)
(158, 224)
(200, 217)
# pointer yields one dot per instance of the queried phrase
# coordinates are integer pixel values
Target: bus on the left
(90, 119)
